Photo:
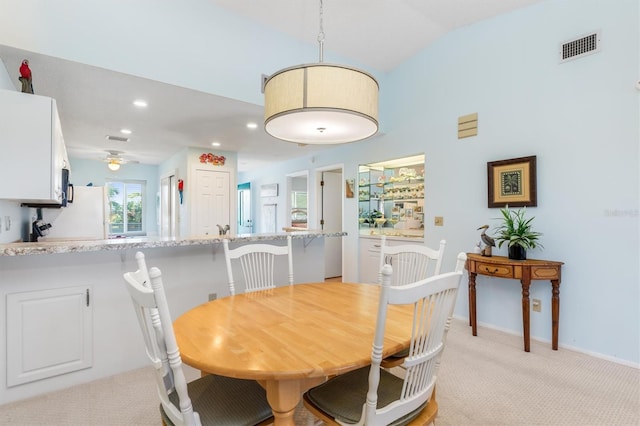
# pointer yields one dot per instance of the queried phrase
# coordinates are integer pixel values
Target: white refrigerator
(86, 218)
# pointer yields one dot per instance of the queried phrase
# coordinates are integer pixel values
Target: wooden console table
(525, 271)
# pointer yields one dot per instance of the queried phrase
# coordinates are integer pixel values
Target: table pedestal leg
(284, 396)
(472, 303)
(525, 313)
(555, 312)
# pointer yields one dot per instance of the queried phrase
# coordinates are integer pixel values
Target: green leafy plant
(516, 229)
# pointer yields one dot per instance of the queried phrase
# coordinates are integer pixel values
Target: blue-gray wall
(581, 120)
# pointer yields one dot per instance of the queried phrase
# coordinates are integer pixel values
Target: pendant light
(321, 103)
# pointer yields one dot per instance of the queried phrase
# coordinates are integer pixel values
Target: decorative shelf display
(391, 194)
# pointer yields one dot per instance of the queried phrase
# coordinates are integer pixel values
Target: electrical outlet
(438, 221)
(536, 305)
(213, 296)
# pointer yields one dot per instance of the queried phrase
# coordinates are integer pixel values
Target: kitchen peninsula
(68, 315)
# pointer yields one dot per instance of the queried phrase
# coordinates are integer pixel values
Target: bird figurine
(25, 77)
(487, 240)
(222, 230)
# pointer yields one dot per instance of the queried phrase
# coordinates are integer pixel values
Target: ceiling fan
(114, 160)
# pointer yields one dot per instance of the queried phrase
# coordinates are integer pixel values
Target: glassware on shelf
(380, 223)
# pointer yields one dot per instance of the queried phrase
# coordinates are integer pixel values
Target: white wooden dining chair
(258, 264)
(209, 400)
(372, 395)
(410, 262)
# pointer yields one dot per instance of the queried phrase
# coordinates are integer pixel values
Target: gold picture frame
(512, 182)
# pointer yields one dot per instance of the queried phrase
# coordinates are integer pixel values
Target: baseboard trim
(568, 347)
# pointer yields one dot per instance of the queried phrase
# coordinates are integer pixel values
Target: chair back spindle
(433, 300)
(257, 263)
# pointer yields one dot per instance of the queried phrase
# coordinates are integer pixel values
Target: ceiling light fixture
(125, 131)
(215, 143)
(113, 165)
(140, 103)
(321, 103)
(252, 125)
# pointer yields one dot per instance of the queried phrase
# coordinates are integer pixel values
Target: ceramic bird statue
(487, 240)
(25, 77)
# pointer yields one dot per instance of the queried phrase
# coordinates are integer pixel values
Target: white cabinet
(33, 152)
(369, 261)
(49, 332)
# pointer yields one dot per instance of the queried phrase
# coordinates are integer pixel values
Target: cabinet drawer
(545, 273)
(505, 271)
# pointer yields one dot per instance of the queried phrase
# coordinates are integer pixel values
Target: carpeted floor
(483, 380)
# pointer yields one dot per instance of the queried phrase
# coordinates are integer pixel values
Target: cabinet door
(369, 260)
(48, 333)
(26, 160)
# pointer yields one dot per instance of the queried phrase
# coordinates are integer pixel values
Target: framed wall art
(270, 190)
(512, 182)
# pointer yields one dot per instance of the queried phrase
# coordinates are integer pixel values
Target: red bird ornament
(25, 77)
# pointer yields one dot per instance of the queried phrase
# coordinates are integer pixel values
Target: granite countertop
(66, 246)
(391, 234)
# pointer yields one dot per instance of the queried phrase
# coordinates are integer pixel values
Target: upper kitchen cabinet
(33, 152)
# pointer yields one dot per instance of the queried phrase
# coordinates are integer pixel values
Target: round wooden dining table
(289, 338)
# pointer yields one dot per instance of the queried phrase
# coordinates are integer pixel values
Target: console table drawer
(504, 271)
(545, 273)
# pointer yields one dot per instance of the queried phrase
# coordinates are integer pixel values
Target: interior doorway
(297, 201)
(245, 222)
(330, 214)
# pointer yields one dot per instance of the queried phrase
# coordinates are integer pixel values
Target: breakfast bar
(68, 315)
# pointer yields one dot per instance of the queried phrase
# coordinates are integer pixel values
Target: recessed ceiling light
(215, 143)
(140, 103)
(252, 125)
(125, 131)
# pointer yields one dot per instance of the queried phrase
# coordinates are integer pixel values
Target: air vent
(579, 47)
(117, 138)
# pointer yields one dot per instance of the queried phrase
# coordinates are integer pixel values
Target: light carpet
(483, 380)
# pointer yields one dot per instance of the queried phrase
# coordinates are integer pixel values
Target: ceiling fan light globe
(113, 165)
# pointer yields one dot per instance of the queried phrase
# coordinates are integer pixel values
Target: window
(126, 202)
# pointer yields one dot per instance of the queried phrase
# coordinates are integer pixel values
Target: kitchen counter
(394, 234)
(63, 246)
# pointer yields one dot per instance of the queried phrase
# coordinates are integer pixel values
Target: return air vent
(117, 138)
(579, 47)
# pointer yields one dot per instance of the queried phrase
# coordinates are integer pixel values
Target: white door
(332, 221)
(211, 203)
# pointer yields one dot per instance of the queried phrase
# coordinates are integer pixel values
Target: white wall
(196, 44)
(581, 120)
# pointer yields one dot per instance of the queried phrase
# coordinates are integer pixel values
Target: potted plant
(516, 231)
